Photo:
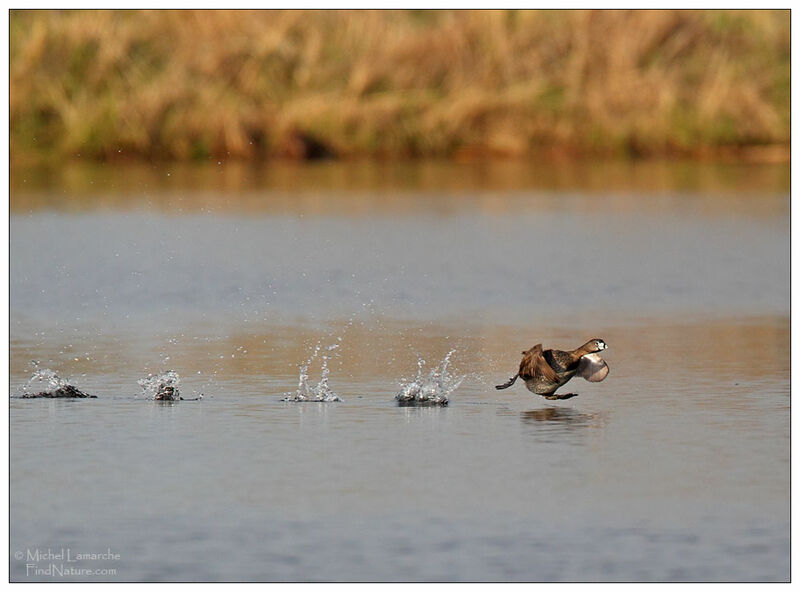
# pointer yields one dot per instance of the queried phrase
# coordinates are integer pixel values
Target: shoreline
(733, 154)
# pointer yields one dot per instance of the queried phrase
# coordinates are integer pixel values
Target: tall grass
(244, 84)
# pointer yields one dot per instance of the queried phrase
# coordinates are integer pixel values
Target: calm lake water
(675, 468)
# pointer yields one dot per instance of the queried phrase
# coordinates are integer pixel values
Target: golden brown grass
(243, 84)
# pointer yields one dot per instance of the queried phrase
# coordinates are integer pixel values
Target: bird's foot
(562, 396)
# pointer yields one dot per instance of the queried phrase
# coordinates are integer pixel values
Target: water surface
(674, 468)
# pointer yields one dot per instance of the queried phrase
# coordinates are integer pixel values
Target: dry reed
(243, 84)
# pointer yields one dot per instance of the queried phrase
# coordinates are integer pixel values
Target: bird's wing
(534, 365)
(592, 367)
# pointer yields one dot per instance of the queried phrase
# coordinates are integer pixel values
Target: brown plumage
(545, 371)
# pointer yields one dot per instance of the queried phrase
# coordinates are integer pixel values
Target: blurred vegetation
(191, 85)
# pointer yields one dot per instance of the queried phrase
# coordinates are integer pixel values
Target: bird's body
(545, 371)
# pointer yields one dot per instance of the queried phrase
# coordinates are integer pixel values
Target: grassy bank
(239, 84)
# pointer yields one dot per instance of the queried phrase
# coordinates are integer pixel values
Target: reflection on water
(559, 415)
(561, 425)
(166, 402)
(443, 188)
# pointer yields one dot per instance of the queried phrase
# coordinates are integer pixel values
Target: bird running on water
(545, 371)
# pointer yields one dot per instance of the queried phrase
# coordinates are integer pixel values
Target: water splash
(45, 383)
(161, 387)
(320, 393)
(43, 379)
(433, 389)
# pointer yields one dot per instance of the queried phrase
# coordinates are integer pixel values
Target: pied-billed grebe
(545, 371)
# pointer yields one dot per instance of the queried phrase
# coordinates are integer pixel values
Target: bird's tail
(507, 384)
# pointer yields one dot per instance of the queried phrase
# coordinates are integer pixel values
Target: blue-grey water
(675, 468)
